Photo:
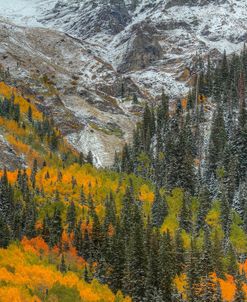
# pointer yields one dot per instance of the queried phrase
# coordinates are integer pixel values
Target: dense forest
(168, 222)
(199, 144)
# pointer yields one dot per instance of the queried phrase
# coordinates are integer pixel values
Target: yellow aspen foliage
(96, 183)
(145, 194)
(181, 284)
(8, 92)
(12, 127)
(22, 148)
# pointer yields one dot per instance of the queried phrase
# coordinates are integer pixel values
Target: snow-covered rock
(138, 34)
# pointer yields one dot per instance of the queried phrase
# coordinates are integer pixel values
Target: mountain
(158, 86)
(102, 53)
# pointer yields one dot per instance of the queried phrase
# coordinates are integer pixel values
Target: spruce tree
(180, 253)
(30, 114)
(30, 219)
(159, 209)
(62, 266)
(166, 263)
(217, 140)
(71, 217)
(185, 214)
(5, 235)
(240, 296)
(205, 202)
(217, 255)
(232, 268)
(136, 266)
(56, 228)
(218, 294)
(89, 158)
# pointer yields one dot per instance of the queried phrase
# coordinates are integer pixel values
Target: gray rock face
(172, 3)
(92, 17)
(143, 49)
(8, 157)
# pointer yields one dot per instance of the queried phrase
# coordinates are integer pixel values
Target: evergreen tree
(205, 202)
(217, 252)
(135, 99)
(30, 219)
(89, 158)
(118, 261)
(56, 228)
(152, 286)
(206, 264)
(217, 140)
(71, 217)
(78, 238)
(218, 294)
(30, 114)
(232, 262)
(62, 266)
(135, 270)
(82, 197)
(239, 294)
(81, 159)
(97, 236)
(185, 215)
(34, 172)
(159, 209)
(4, 233)
(193, 276)
(166, 263)
(53, 141)
(86, 274)
(180, 253)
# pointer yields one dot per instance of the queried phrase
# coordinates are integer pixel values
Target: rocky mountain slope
(91, 57)
(158, 38)
(67, 81)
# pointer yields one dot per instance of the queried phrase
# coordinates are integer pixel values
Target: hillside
(30, 271)
(78, 224)
(123, 151)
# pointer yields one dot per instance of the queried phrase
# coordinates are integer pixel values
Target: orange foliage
(227, 285)
(228, 288)
(12, 175)
(243, 267)
(23, 272)
(36, 245)
(184, 103)
(10, 294)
